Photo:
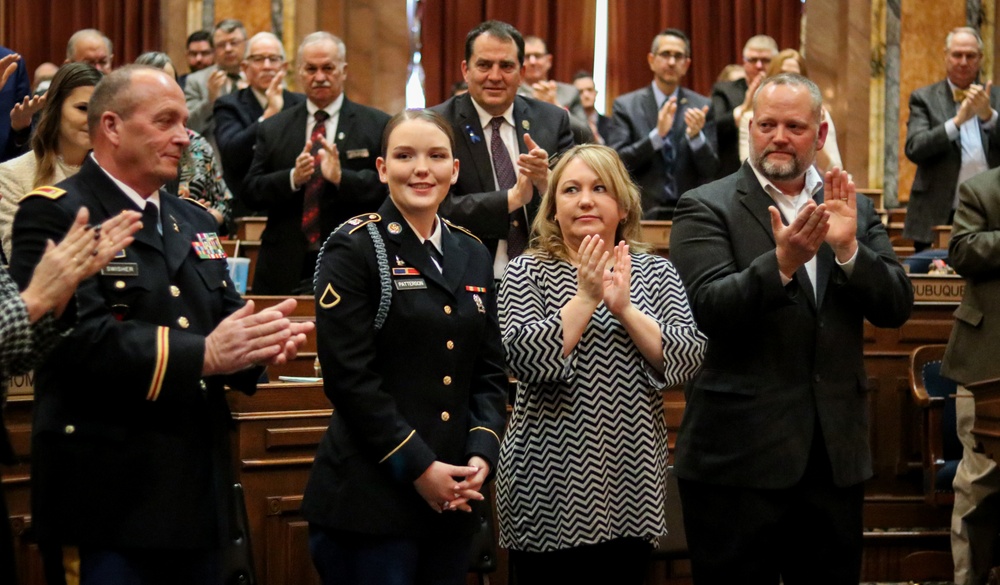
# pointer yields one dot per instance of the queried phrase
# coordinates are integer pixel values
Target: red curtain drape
(39, 29)
(717, 29)
(566, 25)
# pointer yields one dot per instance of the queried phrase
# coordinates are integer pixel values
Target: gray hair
(320, 36)
(261, 36)
(963, 29)
(83, 34)
(795, 80)
(760, 43)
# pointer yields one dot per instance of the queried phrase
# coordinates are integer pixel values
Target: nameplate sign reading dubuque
(930, 288)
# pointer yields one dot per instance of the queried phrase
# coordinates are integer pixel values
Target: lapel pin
(526, 124)
(340, 136)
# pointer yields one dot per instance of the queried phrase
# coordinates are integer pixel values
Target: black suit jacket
(779, 360)
(129, 441)
(428, 386)
(634, 117)
(938, 159)
(474, 201)
(236, 126)
(726, 96)
(267, 188)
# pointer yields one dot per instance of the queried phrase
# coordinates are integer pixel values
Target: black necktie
(151, 219)
(436, 257)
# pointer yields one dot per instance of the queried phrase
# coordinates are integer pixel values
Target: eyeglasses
(98, 63)
(668, 55)
(261, 59)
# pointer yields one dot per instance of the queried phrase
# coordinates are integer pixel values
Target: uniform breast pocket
(122, 292)
(214, 273)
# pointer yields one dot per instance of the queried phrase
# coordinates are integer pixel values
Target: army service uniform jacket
(129, 441)
(428, 386)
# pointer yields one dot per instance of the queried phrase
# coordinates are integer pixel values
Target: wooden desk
(874, 194)
(657, 234)
(250, 228)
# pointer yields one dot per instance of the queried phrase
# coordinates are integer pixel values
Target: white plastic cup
(239, 272)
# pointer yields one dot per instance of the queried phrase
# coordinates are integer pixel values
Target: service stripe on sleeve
(160, 369)
(490, 431)
(399, 446)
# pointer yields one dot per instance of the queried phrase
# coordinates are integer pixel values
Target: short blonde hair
(546, 235)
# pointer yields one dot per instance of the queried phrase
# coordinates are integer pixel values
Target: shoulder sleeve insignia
(330, 298)
(359, 221)
(47, 192)
(461, 229)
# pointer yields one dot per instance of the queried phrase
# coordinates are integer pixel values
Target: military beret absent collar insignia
(330, 298)
(52, 193)
(461, 229)
(395, 229)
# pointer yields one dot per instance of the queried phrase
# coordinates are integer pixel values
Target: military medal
(208, 246)
(399, 262)
(479, 303)
(405, 272)
(476, 289)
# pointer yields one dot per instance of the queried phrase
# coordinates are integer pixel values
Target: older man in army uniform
(130, 430)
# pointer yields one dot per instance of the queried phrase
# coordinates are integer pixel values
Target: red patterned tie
(517, 235)
(313, 188)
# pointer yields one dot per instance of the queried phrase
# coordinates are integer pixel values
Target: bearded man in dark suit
(782, 268)
(313, 168)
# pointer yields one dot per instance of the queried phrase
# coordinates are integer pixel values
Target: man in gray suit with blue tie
(665, 133)
(952, 135)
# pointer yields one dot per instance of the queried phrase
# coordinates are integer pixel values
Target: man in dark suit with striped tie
(503, 142)
(313, 168)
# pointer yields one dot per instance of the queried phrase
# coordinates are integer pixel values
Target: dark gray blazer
(938, 159)
(726, 96)
(779, 360)
(634, 115)
(474, 201)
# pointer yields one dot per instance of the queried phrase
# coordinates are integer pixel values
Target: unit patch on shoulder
(47, 192)
(462, 229)
(359, 221)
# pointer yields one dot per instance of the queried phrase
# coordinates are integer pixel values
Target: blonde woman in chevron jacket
(594, 329)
